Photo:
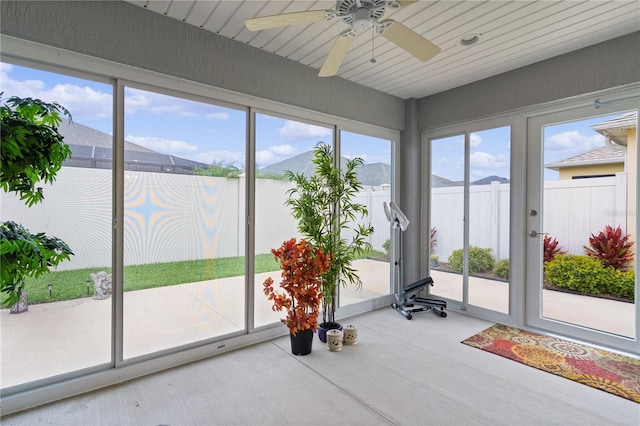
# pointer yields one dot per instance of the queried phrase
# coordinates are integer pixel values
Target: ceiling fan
(360, 15)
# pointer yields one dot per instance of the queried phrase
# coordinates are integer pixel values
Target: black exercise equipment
(407, 301)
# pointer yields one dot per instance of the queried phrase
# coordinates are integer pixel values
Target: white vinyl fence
(182, 217)
(573, 210)
(168, 217)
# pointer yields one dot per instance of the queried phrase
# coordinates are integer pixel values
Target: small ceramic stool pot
(334, 340)
(350, 335)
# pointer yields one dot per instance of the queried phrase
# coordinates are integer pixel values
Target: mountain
(374, 174)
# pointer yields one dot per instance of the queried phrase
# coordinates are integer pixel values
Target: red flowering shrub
(551, 248)
(610, 247)
(301, 265)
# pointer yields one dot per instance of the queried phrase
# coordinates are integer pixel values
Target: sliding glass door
(184, 197)
(68, 323)
(469, 232)
(375, 175)
(281, 145)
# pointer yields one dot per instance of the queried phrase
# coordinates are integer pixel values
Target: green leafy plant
(551, 248)
(32, 149)
(270, 175)
(32, 152)
(324, 206)
(218, 169)
(23, 255)
(480, 260)
(588, 275)
(501, 269)
(386, 246)
(611, 247)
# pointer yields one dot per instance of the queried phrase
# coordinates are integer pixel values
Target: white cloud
(295, 130)
(136, 100)
(164, 146)
(484, 160)
(273, 154)
(449, 168)
(83, 102)
(265, 157)
(158, 104)
(484, 164)
(218, 116)
(287, 150)
(475, 140)
(226, 157)
(573, 140)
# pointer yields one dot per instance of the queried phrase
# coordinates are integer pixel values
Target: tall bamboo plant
(326, 212)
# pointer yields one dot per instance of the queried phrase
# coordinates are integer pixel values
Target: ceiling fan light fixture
(469, 40)
(362, 19)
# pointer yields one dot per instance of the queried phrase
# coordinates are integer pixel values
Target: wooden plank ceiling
(511, 34)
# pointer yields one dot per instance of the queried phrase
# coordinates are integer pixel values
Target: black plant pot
(326, 326)
(301, 343)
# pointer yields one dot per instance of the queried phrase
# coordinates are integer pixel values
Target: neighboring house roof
(489, 179)
(94, 149)
(606, 155)
(440, 182)
(615, 151)
(616, 128)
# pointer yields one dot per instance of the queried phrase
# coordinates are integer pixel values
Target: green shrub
(480, 260)
(588, 275)
(387, 246)
(502, 269)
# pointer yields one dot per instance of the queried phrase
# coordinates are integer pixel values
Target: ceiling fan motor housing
(361, 14)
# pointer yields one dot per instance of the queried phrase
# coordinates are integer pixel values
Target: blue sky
(180, 127)
(208, 133)
(490, 149)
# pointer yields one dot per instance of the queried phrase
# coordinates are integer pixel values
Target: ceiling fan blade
(409, 40)
(336, 55)
(294, 18)
(405, 3)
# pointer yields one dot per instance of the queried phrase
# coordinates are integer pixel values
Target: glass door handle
(534, 234)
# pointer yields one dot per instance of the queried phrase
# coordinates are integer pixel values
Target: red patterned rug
(607, 371)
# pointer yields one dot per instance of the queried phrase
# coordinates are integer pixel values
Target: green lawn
(66, 285)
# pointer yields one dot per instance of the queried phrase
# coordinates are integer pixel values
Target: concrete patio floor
(56, 338)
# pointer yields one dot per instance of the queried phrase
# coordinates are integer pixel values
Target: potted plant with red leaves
(302, 264)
